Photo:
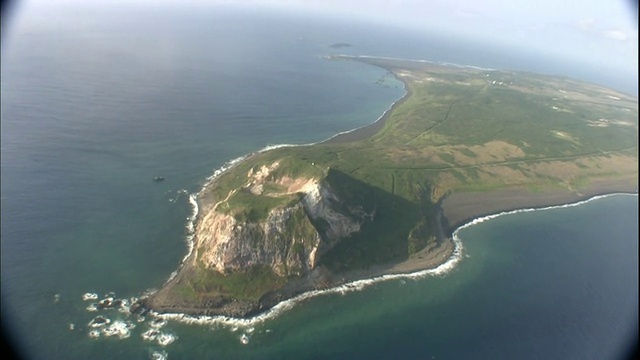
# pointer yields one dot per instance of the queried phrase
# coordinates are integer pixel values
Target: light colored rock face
(290, 241)
(320, 204)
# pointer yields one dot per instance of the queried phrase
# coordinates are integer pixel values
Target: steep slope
(368, 203)
(302, 220)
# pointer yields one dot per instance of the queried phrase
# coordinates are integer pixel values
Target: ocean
(95, 104)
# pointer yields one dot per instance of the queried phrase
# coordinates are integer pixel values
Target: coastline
(458, 210)
(463, 207)
(367, 131)
(161, 300)
(286, 304)
(405, 270)
(410, 269)
(359, 133)
(434, 260)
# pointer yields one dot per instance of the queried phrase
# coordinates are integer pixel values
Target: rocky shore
(169, 300)
(457, 209)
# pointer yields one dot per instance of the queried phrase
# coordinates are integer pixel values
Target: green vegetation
(459, 130)
(249, 284)
(254, 208)
(379, 241)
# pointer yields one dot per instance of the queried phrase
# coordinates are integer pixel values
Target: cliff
(273, 227)
(303, 219)
(382, 199)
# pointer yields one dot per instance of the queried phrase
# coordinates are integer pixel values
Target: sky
(597, 32)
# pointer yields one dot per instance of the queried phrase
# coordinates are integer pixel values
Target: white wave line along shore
(358, 285)
(283, 306)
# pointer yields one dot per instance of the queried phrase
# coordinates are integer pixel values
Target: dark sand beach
(368, 131)
(460, 208)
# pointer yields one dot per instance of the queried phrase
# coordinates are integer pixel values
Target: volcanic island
(463, 142)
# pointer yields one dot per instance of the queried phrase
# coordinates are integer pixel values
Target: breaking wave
(283, 306)
(527, 210)
(358, 285)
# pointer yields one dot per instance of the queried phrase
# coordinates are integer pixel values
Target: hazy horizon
(600, 34)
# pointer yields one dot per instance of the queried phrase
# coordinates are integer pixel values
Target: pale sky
(595, 31)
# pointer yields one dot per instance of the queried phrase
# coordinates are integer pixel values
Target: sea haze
(95, 104)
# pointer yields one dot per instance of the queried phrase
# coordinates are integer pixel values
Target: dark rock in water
(138, 308)
(105, 303)
(99, 321)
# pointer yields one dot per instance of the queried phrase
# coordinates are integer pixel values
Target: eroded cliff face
(292, 238)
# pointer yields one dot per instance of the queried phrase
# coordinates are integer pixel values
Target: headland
(385, 199)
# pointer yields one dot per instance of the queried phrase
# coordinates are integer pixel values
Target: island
(386, 198)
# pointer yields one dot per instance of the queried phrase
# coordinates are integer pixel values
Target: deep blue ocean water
(97, 104)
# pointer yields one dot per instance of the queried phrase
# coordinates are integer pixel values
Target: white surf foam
(159, 355)
(352, 286)
(228, 165)
(358, 285)
(290, 303)
(527, 210)
(165, 339)
(89, 296)
(190, 226)
(190, 229)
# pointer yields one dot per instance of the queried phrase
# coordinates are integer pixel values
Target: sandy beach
(368, 131)
(460, 208)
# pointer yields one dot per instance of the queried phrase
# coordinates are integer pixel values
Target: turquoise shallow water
(91, 113)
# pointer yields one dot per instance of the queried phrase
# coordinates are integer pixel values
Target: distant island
(463, 142)
(340, 45)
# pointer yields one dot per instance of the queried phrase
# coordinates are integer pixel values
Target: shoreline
(437, 259)
(202, 203)
(457, 210)
(360, 284)
(367, 131)
(446, 258)
(463, 207)
(359, 133)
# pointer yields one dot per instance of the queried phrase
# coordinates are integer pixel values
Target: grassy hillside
(460, 129)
